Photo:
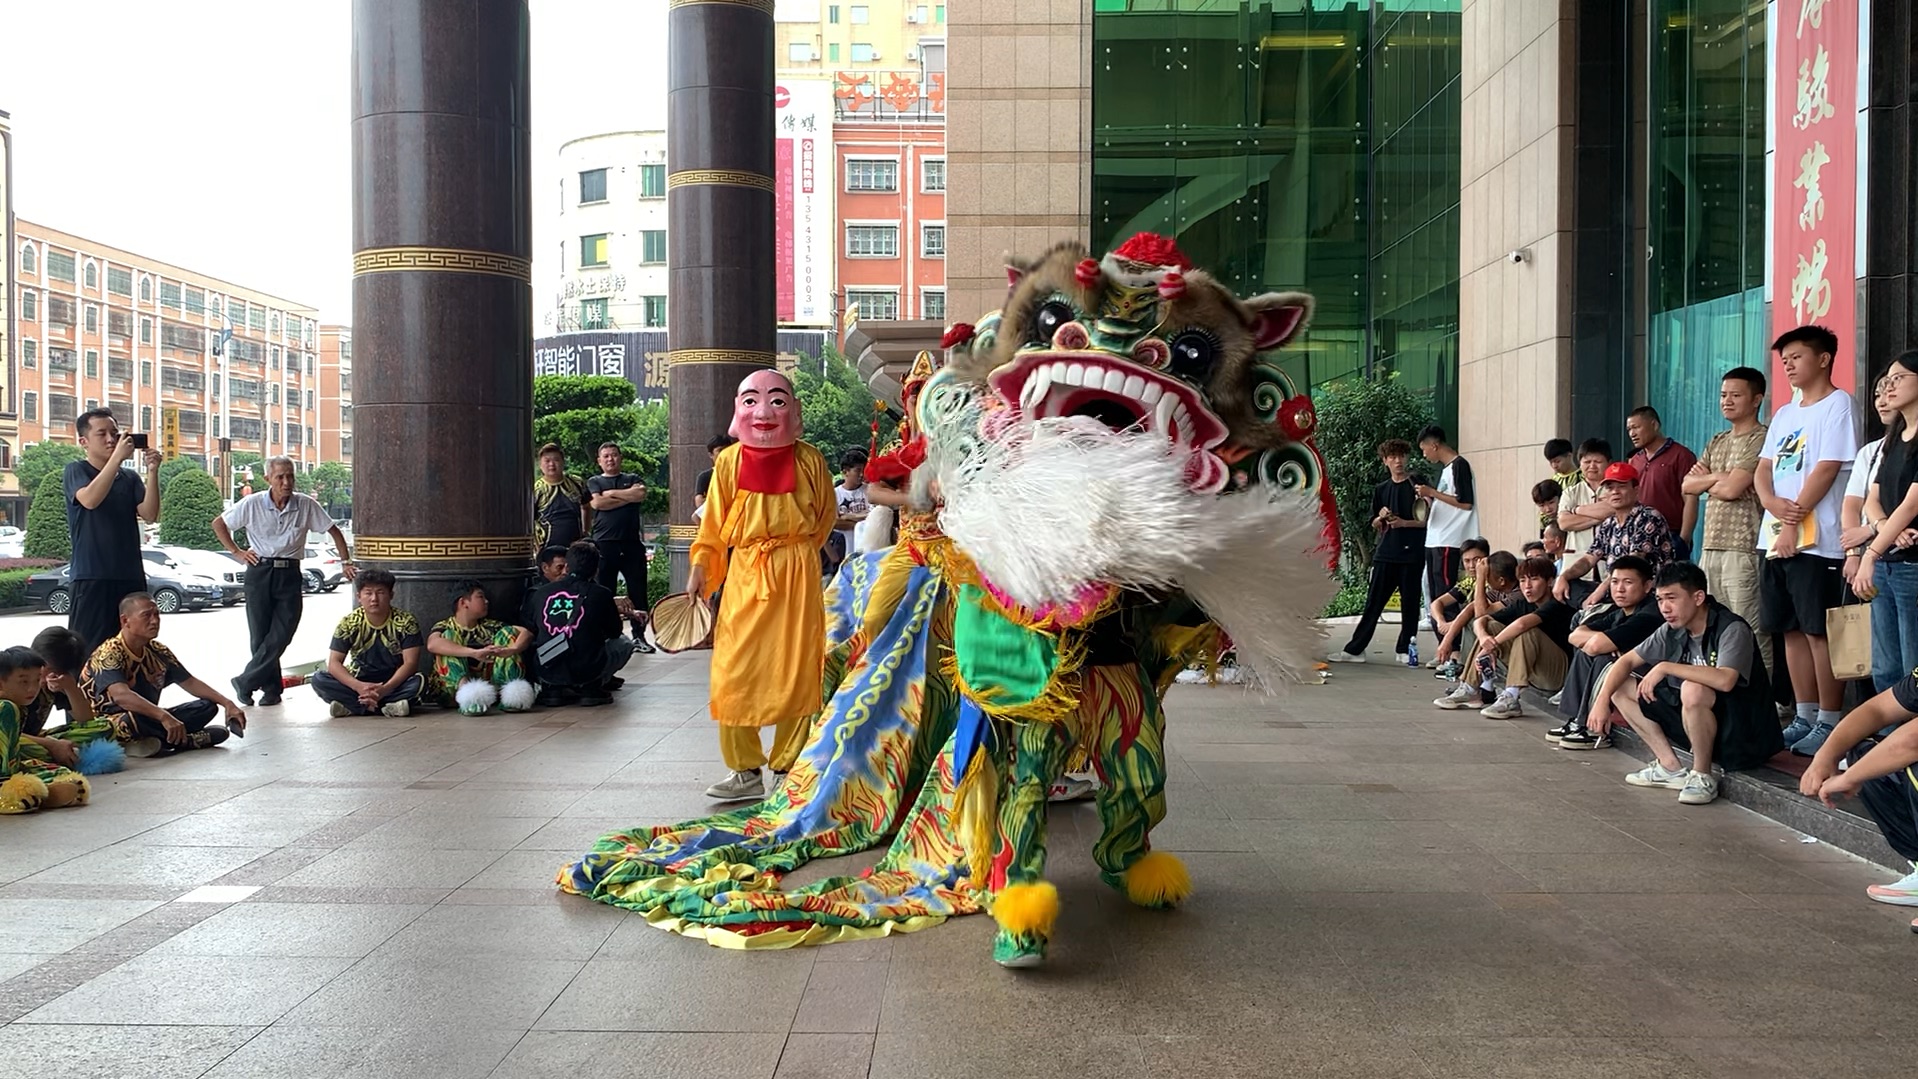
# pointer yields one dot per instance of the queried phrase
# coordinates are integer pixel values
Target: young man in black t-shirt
(1396, 561)
(576, 637)
(1528, 640)
(105, 505)
(1601, 634)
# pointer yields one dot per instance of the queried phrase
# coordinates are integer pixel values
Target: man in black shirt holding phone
(105, 505)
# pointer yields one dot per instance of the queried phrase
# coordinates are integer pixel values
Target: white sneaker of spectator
(1899, 893)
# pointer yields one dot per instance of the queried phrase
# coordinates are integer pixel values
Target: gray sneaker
(738, 787)
(397, 709)
(1699, 789)
(145, 747)
(1463, 695)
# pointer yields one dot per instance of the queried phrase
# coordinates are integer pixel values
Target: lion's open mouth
(1123, 396)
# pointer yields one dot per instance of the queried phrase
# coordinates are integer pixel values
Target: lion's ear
(1277, 317)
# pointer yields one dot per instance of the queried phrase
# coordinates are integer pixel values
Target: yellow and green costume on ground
(28, 781)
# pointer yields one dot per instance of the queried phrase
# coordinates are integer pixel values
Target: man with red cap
(1633, 528)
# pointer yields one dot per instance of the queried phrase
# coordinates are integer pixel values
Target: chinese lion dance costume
(1107, 481)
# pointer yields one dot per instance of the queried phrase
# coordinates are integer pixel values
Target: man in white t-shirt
(1452, 518)
(851, 495)
(1801, 485)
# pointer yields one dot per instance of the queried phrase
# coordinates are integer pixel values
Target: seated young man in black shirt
(373, 661)
(576, 633)
(1451, 610)
(1701, 686)
(1524, 643)
(1599, 634)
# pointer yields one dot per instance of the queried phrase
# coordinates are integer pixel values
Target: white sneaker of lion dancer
(1071, 788)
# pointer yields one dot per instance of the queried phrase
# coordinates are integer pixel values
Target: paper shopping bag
(1848, 635)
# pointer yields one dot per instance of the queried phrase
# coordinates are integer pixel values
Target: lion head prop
(1117, 425)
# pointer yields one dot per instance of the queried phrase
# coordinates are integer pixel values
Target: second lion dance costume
(1108, 478)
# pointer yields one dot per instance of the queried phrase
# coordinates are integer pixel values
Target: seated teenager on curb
(1450, 610)
(1494, 586)
(1523, 643)
(1599, 634)
(1877, 746)
(1703, 688)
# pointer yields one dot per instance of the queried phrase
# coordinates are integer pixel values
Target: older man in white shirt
(277, 521)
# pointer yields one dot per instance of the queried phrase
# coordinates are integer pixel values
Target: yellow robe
(769, 647)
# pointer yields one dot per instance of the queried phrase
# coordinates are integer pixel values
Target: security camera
(1517, 256)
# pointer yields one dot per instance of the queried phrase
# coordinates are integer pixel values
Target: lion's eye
(1193, 354)
(1046, 321)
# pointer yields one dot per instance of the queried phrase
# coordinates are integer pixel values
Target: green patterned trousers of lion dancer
(449, 672)
(1120, 724)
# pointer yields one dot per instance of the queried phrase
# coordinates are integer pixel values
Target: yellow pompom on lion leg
(1129, 743)
(1024, 904)
(22, 792)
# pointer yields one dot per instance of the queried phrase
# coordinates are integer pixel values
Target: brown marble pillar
(721, 316)
(442, 300)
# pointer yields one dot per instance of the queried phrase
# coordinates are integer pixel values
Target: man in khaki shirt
(1723, 479)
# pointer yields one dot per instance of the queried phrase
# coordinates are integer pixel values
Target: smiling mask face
(766, 412)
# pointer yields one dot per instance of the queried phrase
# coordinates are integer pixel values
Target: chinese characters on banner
(1815, 175)
(804, 254)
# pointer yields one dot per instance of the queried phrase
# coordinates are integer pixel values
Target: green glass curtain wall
(1295, 144)
(1706, 268)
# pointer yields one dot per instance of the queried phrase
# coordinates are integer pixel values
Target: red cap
(1620, 472)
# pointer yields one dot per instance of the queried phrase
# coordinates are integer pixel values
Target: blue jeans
(1894, 622)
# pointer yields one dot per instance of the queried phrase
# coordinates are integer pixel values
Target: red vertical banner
(1815, 175)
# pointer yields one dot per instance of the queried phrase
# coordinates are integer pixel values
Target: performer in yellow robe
(770, 505)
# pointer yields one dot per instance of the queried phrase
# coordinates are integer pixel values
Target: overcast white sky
(213, 133)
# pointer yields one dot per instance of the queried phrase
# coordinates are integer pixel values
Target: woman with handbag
(1887, 569)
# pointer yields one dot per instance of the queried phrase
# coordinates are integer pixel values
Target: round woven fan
(682, 623)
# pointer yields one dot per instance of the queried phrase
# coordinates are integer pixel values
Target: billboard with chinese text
(639, 356)
(803, 231)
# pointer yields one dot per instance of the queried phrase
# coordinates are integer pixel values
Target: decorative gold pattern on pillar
(442, 259)
(765, 6)
(440, 548)
(719, 178)
(679, 356)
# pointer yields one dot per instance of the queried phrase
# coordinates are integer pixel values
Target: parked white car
(229, 588)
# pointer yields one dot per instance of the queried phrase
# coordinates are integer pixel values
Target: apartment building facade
(95, 326)
(336, 394)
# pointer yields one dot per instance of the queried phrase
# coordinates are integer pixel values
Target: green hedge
(13, 586)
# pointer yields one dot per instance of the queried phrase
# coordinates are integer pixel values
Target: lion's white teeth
(1038, 384)
(1162, 414)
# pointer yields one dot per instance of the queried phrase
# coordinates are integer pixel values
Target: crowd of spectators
(1685, 594)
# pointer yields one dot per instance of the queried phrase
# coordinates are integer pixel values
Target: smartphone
(139, 441)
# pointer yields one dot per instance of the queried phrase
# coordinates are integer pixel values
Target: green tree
(583, 412)
(1355, 415)
(47, 535)
(187, 508)
(43, 459)
(330, 483)
(171, 469)
(838, 408)
(574, 393)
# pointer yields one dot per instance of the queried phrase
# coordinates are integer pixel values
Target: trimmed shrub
(187, 509)
(47, 524)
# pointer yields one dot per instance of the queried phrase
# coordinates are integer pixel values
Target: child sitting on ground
(31, 783)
